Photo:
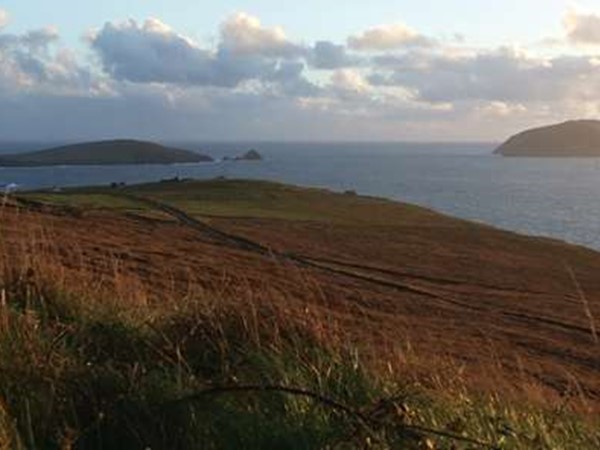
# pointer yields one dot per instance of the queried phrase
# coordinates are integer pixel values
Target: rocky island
(250, 155)
(577, 138)
(113, 152)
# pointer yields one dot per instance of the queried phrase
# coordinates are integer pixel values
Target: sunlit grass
(88, 363)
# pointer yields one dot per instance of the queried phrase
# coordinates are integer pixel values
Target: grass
(85, 200)
(244, 198)
(95, 364)
(262, 199)
(80, 375)
(82, 200)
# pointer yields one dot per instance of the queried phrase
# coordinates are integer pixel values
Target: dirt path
(355, 271)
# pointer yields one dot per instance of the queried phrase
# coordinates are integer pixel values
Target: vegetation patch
(89, 360)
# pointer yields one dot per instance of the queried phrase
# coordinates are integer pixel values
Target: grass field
(272, 316)
(242, 198)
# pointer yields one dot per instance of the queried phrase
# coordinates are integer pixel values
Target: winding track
(342, 268)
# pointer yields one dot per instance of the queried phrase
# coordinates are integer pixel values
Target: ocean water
(558, 198)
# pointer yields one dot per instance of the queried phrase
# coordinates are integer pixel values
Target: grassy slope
(101, 365)
(241, 198)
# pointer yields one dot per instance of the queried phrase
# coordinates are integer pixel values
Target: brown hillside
(509, 312)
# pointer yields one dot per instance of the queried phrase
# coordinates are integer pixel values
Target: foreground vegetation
(97, 364)
(79, 371)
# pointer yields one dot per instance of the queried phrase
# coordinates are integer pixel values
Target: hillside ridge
(574, 138)
(107, 152)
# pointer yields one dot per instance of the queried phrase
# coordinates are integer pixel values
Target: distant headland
(576, 138)
(113, 152)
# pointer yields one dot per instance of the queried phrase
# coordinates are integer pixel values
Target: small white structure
(10, 188)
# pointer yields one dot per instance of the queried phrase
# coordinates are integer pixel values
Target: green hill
(574, 138)
(104, 153)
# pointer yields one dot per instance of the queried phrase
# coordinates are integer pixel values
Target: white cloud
(244, 34)
(350, 81)
(3, 18)
(501, 109)
(389, 37)
(154, 25)
(40, 39)
(502, 75)
(582, 29)
(254, 81)
(33, 62)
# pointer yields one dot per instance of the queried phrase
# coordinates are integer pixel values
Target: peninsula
(111, 152)
(577, 138)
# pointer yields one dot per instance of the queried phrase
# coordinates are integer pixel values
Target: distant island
(113, 152)
(577, 138)
(250, 155)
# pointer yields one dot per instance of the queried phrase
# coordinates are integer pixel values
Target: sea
(553, 197)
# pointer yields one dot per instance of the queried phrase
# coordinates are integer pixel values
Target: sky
(463, 70)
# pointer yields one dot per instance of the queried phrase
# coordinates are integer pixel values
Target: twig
(424, 430)
(361, 418)
(447, 434)
(217, 390)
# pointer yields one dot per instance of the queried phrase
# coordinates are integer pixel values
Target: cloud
(289, 80)
(582, 29)
(501, 109)
(40, 39)
(502, 75)
(243, 34)
(329, 56)
(3, 18)
(33, 61)
(35, 40)
(389, 37)
(149, 80)
(152, 52)
(349, 81)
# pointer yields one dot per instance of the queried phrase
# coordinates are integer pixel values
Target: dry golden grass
(197, 310)
(129, 281)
